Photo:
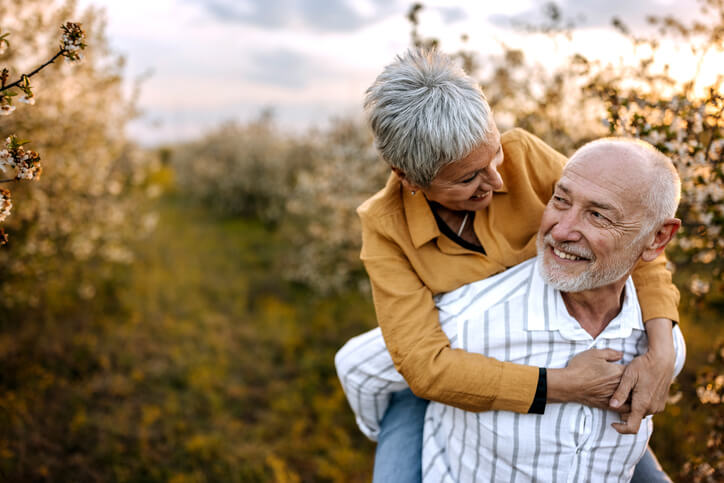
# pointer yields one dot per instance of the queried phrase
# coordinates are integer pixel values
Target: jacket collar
(420, 219)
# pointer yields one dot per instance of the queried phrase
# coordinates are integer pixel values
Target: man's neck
(594, 309)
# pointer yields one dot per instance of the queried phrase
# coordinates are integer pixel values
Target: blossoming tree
(26, 163)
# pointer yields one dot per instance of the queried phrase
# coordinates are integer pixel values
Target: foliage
(211, 369)
(308, 186)
(322, 225)
(85, 210)
(26, 164)
(245, 170)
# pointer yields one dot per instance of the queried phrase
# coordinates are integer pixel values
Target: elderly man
(576, 295)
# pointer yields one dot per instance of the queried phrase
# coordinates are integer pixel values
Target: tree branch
(17, 83)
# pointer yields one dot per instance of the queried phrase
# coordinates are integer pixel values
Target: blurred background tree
(82, 211)
(70, 233)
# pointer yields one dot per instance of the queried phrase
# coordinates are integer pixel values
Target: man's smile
(566, 256)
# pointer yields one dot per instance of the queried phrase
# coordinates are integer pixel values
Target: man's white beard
(592, 277)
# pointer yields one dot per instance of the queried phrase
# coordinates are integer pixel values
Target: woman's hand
(590, 379)
(647, 378)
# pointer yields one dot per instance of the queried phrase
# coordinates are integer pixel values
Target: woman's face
(468, 184)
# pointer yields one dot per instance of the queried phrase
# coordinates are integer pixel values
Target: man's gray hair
(662, 192)
(425, 112)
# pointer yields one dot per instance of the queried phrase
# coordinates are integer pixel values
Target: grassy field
(201, 364)
(206, 367)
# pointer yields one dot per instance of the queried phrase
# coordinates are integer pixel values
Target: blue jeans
(398, 458)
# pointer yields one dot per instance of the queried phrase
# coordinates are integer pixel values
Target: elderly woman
(462, 203)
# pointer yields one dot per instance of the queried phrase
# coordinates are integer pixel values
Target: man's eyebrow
(603, 206)
(562, 187)
(596, 204)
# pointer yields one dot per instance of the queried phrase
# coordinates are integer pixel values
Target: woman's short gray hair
(425, 112)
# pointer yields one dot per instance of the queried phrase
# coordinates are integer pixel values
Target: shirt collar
(547, 312)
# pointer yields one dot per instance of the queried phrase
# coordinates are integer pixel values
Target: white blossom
(6, 204)
(6, 160)
(25, 99)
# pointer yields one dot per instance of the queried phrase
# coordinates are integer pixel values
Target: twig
(28, 76)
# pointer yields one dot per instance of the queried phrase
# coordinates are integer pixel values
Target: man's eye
(598, 216)
(558, 199)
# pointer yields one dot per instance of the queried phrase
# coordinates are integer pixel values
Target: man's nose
(566, 227)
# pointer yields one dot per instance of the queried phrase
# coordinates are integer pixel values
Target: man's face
(590, 231)
(468, 184)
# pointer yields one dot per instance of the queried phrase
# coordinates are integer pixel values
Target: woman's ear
(663, 236)
(406, 183)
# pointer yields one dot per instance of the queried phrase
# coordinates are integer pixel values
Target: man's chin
(560, 278)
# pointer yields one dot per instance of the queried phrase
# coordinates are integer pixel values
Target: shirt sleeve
(658, 296)
(420, 349)
(368, 379)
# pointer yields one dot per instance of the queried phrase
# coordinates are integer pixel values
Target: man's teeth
(565, 255)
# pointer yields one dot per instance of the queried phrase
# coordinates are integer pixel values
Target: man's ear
(662, 237)
(406, 183)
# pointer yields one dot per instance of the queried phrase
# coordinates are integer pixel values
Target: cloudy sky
(208, 61)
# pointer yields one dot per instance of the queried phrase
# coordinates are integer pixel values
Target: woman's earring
(412, 193)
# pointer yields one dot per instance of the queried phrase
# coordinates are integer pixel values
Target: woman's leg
(648, 470)
(398, 458)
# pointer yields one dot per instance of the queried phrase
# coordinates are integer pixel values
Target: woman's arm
(420, 349)
(648, 377)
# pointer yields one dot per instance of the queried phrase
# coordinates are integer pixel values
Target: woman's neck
(460, 222)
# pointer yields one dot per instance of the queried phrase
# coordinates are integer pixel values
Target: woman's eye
(468, 180)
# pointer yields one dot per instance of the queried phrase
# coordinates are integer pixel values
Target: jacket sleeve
(658, 296)
(420, 349)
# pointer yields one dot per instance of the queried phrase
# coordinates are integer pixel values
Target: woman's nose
(492, 178)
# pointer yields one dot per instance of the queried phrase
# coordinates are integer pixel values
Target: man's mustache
(569, 247)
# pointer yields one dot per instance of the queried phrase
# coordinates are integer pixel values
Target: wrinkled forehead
(608, 170)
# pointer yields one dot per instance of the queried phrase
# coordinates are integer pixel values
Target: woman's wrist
(558, 385)
(661, 339)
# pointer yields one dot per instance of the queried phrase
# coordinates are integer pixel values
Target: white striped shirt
(512, 316)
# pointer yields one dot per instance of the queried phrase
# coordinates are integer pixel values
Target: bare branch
(28, 76)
